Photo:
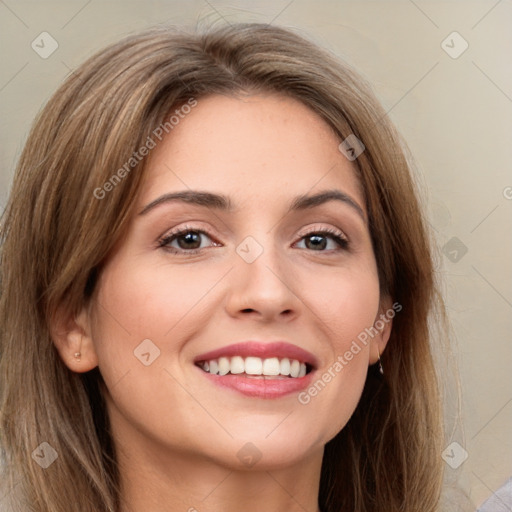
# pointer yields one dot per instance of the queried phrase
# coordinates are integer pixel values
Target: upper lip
(264, 350)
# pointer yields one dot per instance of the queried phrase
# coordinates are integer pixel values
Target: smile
(256, 366)
(263, 370)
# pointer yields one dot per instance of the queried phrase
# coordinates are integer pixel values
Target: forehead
(253, 147)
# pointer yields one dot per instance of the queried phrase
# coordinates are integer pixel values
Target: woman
(283, 360)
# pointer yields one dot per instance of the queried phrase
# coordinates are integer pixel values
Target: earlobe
(71, 335)
(381, 369)
(383, 325)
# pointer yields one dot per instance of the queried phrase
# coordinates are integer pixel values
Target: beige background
(456, 115)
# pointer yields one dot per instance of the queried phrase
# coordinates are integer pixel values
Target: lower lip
(260, 388)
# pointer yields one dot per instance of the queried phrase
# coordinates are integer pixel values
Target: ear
(382, 324)
(71, 335)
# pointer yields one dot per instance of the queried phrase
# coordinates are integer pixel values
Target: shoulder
(500, 501)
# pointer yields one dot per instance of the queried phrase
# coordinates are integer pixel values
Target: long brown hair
(56, 231)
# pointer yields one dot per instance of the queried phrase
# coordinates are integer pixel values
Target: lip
(257, 386)
(280, 349)
(260, 388)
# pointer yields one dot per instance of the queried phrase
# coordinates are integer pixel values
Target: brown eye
(316, 242)
(190, 240)
(319, 241)
(186, 241)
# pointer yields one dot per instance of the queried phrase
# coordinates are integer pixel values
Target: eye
(186, 240)
(190, 240)
(319, 240)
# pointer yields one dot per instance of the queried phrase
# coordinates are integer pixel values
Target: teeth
(271, 366)
(285, 366)
(255, 366)
(214, 367)
(237, 365)
(295, 368)
(224, 366)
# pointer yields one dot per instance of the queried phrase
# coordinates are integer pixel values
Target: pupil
(316, 239)
(191, 237)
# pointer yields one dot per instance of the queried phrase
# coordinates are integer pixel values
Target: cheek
(139, 326)
(345, 301)
(346, 304)
(148, 301)
(138, 302)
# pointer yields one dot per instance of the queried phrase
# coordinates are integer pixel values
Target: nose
(263, 288)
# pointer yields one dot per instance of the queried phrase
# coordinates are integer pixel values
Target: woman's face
(199, 274)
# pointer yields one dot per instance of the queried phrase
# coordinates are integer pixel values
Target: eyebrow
(222, 202)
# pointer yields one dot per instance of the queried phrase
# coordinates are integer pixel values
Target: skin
(177, 434)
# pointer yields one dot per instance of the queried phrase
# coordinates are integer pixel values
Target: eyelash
(164, 242)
